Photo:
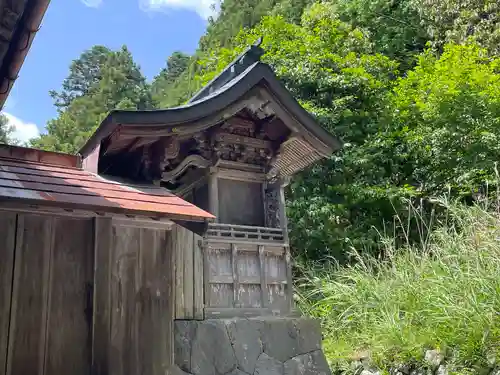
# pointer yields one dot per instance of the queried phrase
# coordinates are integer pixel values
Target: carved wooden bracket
(192, 160)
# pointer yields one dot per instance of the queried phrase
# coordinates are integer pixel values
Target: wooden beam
(213, 193)
(236, 278)
(206, 280)
(283, 217)
(234, 174)
(289, 278)
(198, 276)
(264, 293)
(103, 248)
(188, 280)
(228, 313)
(191, 160)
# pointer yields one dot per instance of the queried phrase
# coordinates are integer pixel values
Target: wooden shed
(87, 268)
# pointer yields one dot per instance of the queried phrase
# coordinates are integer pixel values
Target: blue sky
(151, 29)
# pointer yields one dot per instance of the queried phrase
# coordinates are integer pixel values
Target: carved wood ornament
(272, 207)
(236, 140)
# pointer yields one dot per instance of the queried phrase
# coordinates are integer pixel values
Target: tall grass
(443, 295)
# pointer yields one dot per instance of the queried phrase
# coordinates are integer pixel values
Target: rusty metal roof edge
(9, 152)
(99, 210)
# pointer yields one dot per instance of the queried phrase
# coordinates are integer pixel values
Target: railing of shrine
(247, 271)
(230, 232)
(232, 271)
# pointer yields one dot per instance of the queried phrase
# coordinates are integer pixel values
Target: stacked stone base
(258, 346)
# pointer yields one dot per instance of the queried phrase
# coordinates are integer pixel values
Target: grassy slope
(446, 296)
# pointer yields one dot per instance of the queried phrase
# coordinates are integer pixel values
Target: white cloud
(23, 131)
(92, 3)
(204, 8)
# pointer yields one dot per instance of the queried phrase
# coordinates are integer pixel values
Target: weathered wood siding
(45, 317)
(81, 295)
(7, 244)
(245, 279)
(134, 299)
(188, 260)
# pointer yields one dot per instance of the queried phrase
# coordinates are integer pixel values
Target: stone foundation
(257, 346)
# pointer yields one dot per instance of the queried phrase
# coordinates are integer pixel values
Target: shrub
(444, 294)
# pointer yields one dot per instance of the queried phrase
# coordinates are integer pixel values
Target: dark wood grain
(26, 353)
(103, 245)
(155, 303)
(7, 243)
(69, 311)
(123, 360)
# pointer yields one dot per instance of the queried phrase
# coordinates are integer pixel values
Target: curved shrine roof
(181, 119)
(245, 108)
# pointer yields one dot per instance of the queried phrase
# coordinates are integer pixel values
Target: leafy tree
(233, 16)
(457, 21)
(85, 73)
(169, 87)
(446, 113)
(415, 123)
(394, 27)
(177, 63)
(120, 85)
(5, 130)
(291, 10)
(437, 135)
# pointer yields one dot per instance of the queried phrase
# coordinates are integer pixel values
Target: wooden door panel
(29, 297)
(69, 300)
(123, 290)
(141, 301)
(7, 243)
(49, 332)
(155, 303)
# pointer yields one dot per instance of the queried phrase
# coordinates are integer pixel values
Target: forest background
(412, 88)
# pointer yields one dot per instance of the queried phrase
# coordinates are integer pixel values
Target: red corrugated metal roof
(62, 186)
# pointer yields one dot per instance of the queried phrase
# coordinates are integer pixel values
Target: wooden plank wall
(188, 261)
(7, 244)
(138, 300)
(246, 279)
(85, 295)
(45, 303)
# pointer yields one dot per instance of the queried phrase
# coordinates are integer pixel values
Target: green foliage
(443, 295)
(457, 21)
(395, 27)
(233, 16)
(84, 74)
(328, 66)
(164, 85)
(438, 133)
(412, 89)
(121, 85)
(446, 113)
(5, 130)
(431, 131)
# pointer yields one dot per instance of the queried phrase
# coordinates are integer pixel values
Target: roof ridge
(248, 57)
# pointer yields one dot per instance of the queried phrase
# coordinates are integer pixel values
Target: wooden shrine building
(229, 151)
(165, 216)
